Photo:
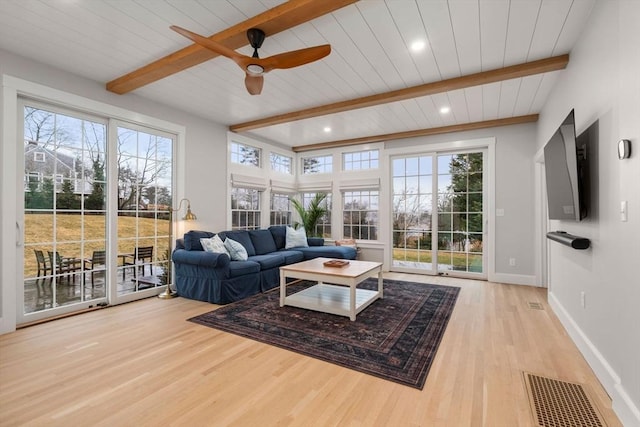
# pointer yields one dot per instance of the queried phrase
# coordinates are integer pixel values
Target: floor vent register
(556, 403)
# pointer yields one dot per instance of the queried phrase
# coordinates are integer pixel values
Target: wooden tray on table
(336, 263)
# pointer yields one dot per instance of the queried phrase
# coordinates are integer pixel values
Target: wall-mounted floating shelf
(570, 240)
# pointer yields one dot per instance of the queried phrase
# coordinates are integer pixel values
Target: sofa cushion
(341, 252)
(242, 237)
(268, 261)
(242, 268)
(279, 233)
(291, 257)
(296, 238)
(262, 241)
(192, 239)
(237, 252)
(214, 245)
(315, 241)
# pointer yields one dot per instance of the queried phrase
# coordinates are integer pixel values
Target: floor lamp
(189, 216)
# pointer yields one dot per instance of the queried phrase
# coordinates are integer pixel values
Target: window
(38, 157)
(245, 208)
(245, 154)
(280, 209)
(32, 181)
(280, 163)
(320, 164)
(360, 160)
(360, 213)
(145, 190)
(323, 227)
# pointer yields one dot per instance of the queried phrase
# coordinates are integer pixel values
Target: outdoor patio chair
(98, 258)
(64, 265)
(44, 267)
(138, 259)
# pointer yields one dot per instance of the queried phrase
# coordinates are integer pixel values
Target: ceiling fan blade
(254, 84)
(216, 47)
(295, 58)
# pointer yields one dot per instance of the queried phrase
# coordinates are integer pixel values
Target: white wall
(199, 171)
(602, 84)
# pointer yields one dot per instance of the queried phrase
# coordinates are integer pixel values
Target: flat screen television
(565, 168)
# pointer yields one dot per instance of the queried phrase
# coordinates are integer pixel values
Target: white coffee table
(339, 294)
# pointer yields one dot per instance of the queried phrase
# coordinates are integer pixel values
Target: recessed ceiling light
(444, 110)
(418, 45)
(327, 129)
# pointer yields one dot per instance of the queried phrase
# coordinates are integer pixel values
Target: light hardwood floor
(143, 364)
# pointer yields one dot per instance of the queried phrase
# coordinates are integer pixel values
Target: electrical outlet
(512, 262)
(583, 299)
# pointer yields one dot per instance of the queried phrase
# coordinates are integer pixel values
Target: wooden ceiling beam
(272, 21)
(419, 132)
(515, 71)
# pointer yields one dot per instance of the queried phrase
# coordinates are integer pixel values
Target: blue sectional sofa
(214, 278)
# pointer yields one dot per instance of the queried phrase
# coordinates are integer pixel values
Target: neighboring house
(41, 162)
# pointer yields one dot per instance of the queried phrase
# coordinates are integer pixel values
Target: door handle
(18, 234)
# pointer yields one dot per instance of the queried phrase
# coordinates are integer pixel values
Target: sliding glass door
(64, 210)
(94, 211)
(144, 196)
(438, 213)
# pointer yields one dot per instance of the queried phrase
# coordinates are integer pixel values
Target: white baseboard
(513, 279)
(622, 403)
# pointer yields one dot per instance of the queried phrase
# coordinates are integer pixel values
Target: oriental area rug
(396, 338)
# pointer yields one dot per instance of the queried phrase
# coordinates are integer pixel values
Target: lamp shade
(189, 216)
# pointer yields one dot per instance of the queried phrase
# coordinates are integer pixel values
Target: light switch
(499, 212)
(623, 211)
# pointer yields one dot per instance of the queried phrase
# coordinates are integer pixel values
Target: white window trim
(291, 163)
(244, 144)
(302, 158)
(345, 153)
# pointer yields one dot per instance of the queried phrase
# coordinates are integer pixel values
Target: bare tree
(134, 177)
(407, 214)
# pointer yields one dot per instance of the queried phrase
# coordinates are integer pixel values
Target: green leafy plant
(310, 216)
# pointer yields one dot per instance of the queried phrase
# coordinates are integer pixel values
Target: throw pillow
(237, 252)
(296, 238)
(214, 245)
(351, 243)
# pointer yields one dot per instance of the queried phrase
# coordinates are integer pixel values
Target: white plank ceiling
(104, 39)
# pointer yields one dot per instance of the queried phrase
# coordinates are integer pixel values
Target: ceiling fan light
(255, 69)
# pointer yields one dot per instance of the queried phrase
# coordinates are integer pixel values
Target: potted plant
(310, 216)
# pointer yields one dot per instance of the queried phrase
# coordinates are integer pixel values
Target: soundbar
(570, 240)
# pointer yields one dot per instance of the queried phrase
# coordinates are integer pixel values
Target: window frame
(288, 167)
(273, 213)
(323, 164)
(255, 212)
(369, 160)
(324, 224)
(348, 224)
(241, 145)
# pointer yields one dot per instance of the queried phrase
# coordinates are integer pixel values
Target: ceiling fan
(254, 66)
